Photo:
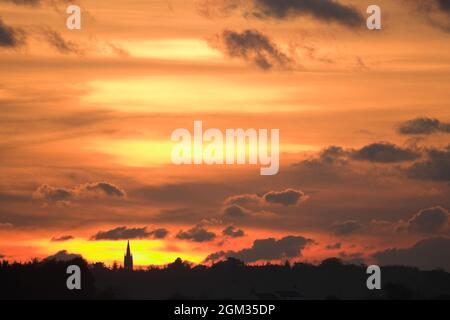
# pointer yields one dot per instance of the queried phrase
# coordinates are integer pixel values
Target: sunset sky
(364, 116)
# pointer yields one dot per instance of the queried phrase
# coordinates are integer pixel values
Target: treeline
(229, 279)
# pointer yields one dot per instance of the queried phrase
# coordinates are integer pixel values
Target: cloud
(235, 211)
(444, 5)
(105, 188)
(266, 249)
(233, 232)
(286, 197)
(160, 233)
(239, 205)
(61, 238)
(430, 253)
(32, 3)
(430, 220)
(252, 46)
(63, 255)
(243, 200)
(11, 37)
(122, 233)
(37, 3)
(436, 12)
(323, 10)
(384, 152)
(5, 225)
(346, 228)
(53, 194)
(93, 190)
(424, 126)
(239, 212)
(436, 167)
(196, 234)
(56, 40)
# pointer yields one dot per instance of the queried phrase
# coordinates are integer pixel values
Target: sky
(86, 118)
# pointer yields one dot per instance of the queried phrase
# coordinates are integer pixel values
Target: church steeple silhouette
(128, 259)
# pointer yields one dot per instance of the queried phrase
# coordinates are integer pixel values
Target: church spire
(128, 258)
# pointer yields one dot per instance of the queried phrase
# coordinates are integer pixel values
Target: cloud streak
(56, 41)
(328, 11)
(253, 47)
(196, 234)
(124, 233)
(423, 126)
(266, 249)
(11, 37)
(322, 10)
(61, 238)
(93, 190)
(233, 232)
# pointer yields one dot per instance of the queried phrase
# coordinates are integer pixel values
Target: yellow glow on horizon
(145, 252)
(188, 94)
(173, 49)
(135, 153)
(141, 153)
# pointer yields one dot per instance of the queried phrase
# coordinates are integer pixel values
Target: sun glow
(145, 252)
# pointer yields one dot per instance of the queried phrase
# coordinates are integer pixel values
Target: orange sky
(99, 105)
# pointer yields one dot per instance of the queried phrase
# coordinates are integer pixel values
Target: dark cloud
(238, 205)
(330, 165)
(63, 255)
(85, 191)
(10, 37)
(61, 238)
(252, 46)
(435, 167)
(104, 188)
(430, 220)
(384, 153)
(323, 10)
(235, 211)
(332, 154)
(53, 194)
(346, 228)
(423, 126)
(243, 200)
(160, 233)
(233, 232)
(444, 5)
(56, 40)
(266, 249)
(196, 234)
(122, 233)
(430, 253)
(286, 197)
